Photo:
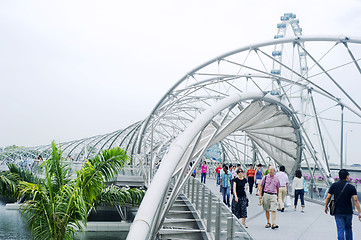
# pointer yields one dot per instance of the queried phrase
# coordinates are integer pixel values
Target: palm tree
(59, 206)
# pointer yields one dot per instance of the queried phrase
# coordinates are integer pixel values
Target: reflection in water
(12, 226)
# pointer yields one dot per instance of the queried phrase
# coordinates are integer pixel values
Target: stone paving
(312, 224)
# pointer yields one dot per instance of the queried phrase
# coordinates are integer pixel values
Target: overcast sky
(74, 69)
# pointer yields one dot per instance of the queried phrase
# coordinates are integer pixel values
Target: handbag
(305, 188)
(288, 201)
(332, 204)
(265, 179)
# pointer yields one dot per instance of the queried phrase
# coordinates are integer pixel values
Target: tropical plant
(58, 206)
(8, 185)
(9, 180)
(115, 195)
(24, 174)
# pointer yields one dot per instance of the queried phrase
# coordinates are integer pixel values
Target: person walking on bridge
(203, 172)
(298, 189)
(283, 191)
(250, 177)
(343, 193)
(259, 176)
(218, 173)
(240, 201)
(226, 185)
(270, 186)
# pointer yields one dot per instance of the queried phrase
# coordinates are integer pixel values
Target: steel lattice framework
(302, 100)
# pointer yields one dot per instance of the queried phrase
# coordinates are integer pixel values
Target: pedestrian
(270, 186)
(343, 193)
(240, 201)
(220, 174)
(194, 173)
(283, 191)
(217, 172)
(259, 176)
(203, 172)
(238, 167)
(226, 185)
(298, 189)
(267, 170)
(250, 177)
(232, 170)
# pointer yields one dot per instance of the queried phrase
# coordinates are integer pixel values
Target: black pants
(250, 183)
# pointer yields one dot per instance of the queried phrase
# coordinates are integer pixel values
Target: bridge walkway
(312, 224)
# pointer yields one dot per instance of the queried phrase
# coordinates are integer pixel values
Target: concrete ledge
(107, 226)
(12, 206)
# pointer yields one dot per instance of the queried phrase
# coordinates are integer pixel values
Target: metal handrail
(219, 221)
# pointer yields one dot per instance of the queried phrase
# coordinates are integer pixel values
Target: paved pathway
(312, 224)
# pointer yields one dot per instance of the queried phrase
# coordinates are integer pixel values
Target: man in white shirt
(283, 190)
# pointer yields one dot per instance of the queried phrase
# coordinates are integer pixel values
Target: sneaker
(283, 209)
(302, 211)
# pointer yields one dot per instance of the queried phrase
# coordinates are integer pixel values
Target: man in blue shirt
(226, 185)
(343, 205)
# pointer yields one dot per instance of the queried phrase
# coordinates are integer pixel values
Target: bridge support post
(193, 190)
(230, 231)
(203, 201)
(209, 212)
(217, 234)
(197, 196)
(188, 187)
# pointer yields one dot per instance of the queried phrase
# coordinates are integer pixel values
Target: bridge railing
(216, 216)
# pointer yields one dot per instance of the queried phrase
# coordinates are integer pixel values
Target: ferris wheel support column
(341, 157)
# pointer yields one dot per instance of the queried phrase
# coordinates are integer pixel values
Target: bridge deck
(312, 224)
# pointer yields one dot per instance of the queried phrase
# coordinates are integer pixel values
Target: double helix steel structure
(289, 101)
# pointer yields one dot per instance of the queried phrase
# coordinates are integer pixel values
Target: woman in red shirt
(250, 177)
(218, 173)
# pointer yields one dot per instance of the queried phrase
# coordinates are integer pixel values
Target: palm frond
(8, 185)
(110, 161)
(24, 174)
(121, 196)
(58, 171)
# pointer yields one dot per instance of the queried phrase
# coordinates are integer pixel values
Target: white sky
(74, 69)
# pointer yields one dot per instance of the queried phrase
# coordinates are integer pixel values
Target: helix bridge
(292, 100)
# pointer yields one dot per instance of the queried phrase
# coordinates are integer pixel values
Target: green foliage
(122, 196)
(58, 206)
(8, 185)
(9, 181)
(12, 147)
(95, 172)
(25, 174)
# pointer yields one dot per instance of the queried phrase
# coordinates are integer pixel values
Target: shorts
(258, 181)
(270, 202)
